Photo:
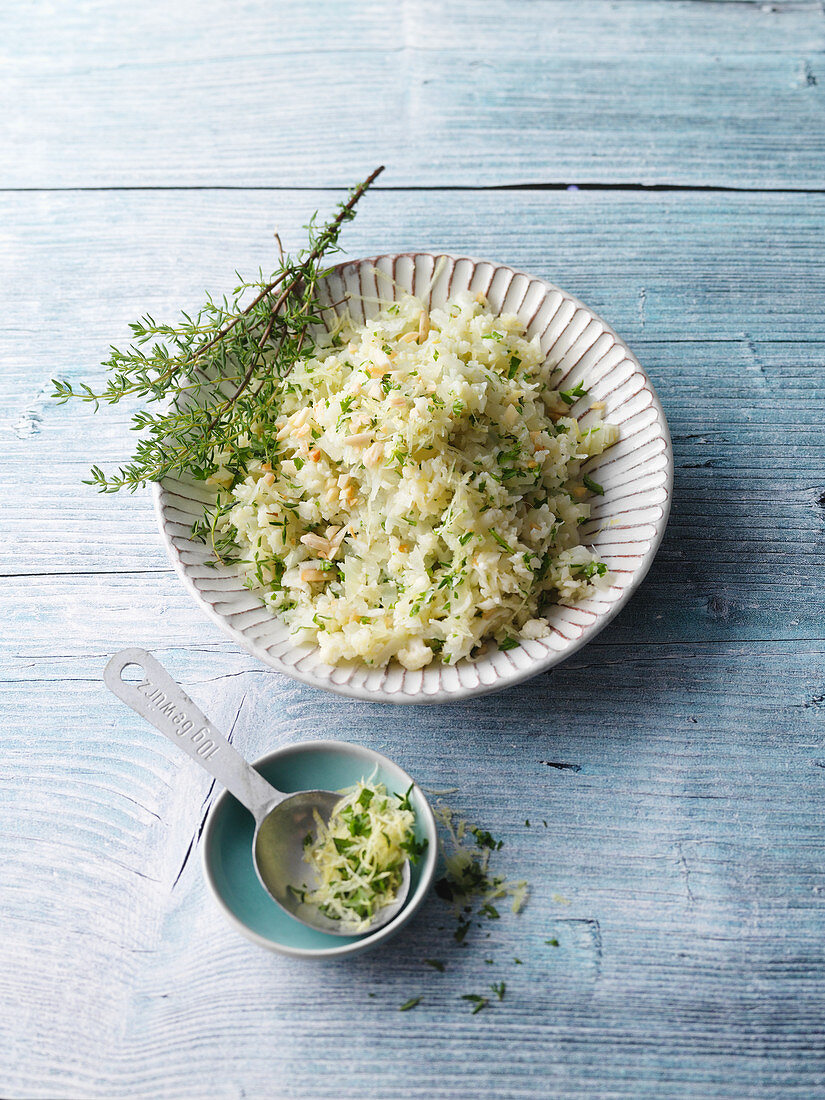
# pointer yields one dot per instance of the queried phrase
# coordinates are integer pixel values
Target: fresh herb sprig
(218, 373)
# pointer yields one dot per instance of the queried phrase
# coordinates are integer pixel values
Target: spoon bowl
(283, 821)
(279, 861)
(229, 869)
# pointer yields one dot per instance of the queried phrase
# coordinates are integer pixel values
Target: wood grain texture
(719, 296)
(690, 967)
(678, 761)
(535, 91)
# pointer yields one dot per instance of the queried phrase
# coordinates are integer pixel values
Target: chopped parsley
(569, 397)
(504, 545)
(358, 855)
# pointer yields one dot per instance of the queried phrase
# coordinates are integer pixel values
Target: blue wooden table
(665, 162)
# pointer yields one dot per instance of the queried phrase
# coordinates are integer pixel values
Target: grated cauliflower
(421, 491)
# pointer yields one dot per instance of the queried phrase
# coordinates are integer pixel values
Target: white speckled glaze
(625, 530)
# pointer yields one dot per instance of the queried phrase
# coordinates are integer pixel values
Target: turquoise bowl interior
(227, 848)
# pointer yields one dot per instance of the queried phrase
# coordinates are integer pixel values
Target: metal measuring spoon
(282, 821)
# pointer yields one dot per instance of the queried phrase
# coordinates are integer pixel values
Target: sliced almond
(335, 542)
(360, 439)
(312, 575)
(374, 455)
(316, 542)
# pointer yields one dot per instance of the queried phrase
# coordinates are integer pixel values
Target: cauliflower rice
(421, 491)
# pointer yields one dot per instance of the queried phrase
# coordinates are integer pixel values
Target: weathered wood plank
(726, 320)
(693, 965)
(678, 761)
(466, 93)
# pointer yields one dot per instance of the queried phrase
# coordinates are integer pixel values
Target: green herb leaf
(569, 397)
(216, 374)
(504, 545)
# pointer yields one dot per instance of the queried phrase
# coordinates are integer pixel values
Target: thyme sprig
(217, 374)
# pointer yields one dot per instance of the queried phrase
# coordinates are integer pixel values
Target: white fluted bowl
(625, 529)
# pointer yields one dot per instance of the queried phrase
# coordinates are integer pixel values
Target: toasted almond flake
(293, 423)
(311, 575)
(360, 439)
(398, 400)
(302, 431)
(331, 531)
(315, 454)
(335, 542)
(378, 371)
(268, 479)
(374, 455)
(408, 338)
(224, 480)
(316, 542)
(509, 416)
(423, 326)
(598, 405)
(265, 467)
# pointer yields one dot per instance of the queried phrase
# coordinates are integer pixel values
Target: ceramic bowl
(227, 848)
(625, 530)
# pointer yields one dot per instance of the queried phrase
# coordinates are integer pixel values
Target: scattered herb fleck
(569, 397)
(592, 485)
(476, 1000)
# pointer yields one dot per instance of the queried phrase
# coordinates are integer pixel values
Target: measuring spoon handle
(163, 703)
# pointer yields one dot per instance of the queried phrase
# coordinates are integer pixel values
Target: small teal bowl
(227, 848)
